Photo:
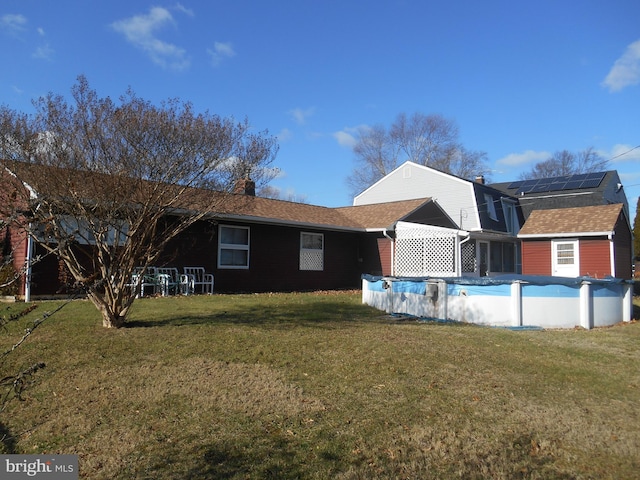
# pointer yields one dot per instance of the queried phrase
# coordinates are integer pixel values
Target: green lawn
(289, 386)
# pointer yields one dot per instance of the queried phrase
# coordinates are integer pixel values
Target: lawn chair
(169, 280)
(199, 280)
(141, 281)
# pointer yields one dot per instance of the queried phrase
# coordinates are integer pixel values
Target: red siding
(595, 259)
(536, 257)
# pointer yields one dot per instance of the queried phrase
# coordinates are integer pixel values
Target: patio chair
(141, 281)
(199, 279)
(169, 280)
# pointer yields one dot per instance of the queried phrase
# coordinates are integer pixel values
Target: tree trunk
(111, 318)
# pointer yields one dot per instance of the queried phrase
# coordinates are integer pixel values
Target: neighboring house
(592, 241)
(490, 218)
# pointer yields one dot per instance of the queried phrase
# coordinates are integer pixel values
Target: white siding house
(453, 194)
(490, 220)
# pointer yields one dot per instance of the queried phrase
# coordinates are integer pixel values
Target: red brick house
(593, 241)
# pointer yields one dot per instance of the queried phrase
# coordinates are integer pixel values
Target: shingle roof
(230, 206)
(579, 220)
(372, 216)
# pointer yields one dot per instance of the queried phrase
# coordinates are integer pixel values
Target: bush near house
(316, 385)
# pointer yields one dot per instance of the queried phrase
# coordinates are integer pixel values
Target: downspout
(459, 253)
(28, 261)
(612, 253)
(393, 249)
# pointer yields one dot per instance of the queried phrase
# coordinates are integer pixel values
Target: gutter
(607, 234)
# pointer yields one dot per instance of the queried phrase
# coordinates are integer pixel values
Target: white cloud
(13, 23)
(219, 52)
(626, 70)
(300, 115)
(284, 135)
(347, 137)
(40, 31)
(43, 52)
(524, 158)
(183, 9)
(140, 31)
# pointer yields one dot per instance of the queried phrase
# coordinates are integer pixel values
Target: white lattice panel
(311, 260)
(424, 252)
(468, 255)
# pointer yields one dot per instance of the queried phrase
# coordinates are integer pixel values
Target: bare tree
(276, 193)
(430, 140)
(565, 162)
(106, 186)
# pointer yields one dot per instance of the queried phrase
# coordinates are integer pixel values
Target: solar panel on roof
(559, 183)
(573, 184)
(590, 183)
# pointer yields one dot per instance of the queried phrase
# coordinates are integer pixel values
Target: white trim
(565, 234)
(612, 258)
(234, 246)
(556, 269)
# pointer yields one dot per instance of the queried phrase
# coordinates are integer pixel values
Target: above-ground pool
(505, 301)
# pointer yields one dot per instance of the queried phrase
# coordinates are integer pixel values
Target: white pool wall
(514, 301)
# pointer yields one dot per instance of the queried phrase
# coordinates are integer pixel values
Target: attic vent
(406, 172)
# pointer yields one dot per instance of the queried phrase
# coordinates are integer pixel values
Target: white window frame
(305, 252)
(233, 246)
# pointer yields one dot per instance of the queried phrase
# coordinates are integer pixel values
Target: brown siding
(623, 244)
(595, 260)
(274, 262)
(385, 251)
(536, 257)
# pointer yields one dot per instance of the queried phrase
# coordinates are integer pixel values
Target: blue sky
(521, 79)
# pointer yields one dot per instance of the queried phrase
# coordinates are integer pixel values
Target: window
(233, 247)
(510, 216)
(311, 251)
(565, 255)
(491, 208)
(565, 258)
(503, 257)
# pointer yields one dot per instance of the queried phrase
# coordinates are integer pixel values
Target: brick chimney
(480, 179)
(245, 186)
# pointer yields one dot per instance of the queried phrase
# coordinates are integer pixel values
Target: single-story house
(258, 244)
(592, 241)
